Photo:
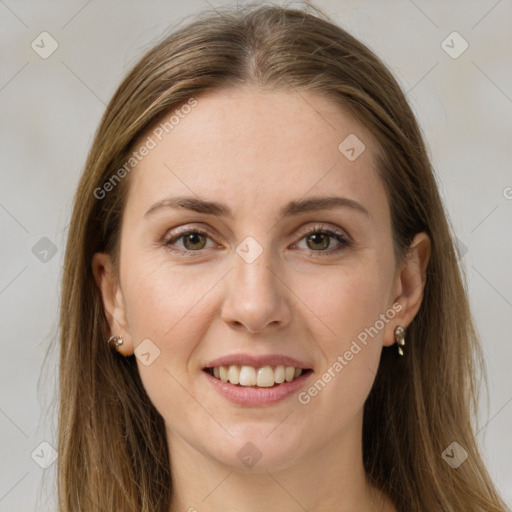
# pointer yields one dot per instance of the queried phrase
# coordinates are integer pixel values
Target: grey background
(51, 107)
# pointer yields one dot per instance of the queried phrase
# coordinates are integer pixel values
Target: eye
(319, 239)
(193, 241)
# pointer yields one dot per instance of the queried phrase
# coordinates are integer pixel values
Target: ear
(409, 286)
(113, 300)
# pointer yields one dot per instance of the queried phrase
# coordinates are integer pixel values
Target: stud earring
(400, 338)
(115, 342)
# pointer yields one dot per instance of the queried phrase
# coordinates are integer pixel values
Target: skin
(255, 151)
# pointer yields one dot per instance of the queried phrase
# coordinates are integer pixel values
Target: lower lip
(253, 396)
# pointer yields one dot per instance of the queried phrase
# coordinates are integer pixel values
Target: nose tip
(251, 329)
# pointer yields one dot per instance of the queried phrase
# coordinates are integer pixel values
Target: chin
(255, 450)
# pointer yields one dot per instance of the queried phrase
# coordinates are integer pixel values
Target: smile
(249, 376)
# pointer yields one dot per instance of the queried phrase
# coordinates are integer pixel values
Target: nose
(256, 298)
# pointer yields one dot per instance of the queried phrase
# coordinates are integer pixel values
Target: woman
(261, 302)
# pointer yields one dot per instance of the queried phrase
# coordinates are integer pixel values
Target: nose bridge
(253, 271)
(253, 266)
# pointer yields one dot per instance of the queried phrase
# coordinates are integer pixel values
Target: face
(268, 277)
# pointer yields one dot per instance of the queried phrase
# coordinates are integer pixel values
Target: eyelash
(315, 231)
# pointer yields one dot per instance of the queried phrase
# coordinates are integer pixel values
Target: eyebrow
(291, 209)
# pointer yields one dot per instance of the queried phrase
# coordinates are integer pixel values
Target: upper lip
(257, 361)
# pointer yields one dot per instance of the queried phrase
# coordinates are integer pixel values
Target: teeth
(279, 374)
(234, 374)
(247, 376)
(223, 374)
(264, 377)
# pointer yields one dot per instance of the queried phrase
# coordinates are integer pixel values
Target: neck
(328, 478)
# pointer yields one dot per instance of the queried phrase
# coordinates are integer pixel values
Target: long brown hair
(112, 446)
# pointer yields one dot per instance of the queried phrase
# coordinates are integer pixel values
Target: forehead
(257, 149)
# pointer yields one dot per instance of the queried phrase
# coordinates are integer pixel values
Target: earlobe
(411, 280)
(112, 298)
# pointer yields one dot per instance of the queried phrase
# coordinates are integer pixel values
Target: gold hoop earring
(400, 339)
(115, 342)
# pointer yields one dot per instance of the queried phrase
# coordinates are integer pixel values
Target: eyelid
(183, 230)
(322, 226)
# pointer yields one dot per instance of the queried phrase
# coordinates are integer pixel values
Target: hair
(113, 453)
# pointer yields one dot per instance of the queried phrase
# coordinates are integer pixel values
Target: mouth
(256, 377)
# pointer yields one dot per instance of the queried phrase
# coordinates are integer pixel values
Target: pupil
(324, 245)
(190, 238)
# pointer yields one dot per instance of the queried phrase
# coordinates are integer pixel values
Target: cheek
(350, 317)
(346, 301)
(171, 307)
(161, 298)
